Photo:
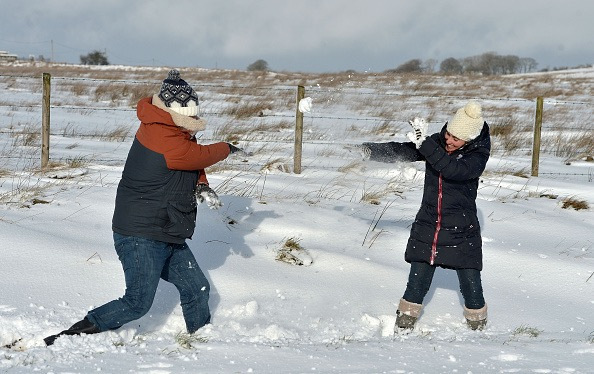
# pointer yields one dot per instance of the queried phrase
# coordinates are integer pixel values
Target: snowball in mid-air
(305, 105)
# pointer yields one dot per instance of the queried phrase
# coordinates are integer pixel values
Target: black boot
(81, 327)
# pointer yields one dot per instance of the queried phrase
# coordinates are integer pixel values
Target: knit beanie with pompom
(178, 96)
(467, 123)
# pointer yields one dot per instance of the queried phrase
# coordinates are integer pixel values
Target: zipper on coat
(438, 223)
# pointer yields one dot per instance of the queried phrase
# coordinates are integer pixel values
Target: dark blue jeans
(421, 275)
(145, 261)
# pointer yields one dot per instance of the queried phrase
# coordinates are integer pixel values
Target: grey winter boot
(476, 319)
(407, 315)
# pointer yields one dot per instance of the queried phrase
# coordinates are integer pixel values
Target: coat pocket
(182, 220)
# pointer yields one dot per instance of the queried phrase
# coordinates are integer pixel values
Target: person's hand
(239, 151)
(233, 149)
(419, 135)
(206, 194)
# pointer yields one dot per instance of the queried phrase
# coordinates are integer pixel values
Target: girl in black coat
(446, 230)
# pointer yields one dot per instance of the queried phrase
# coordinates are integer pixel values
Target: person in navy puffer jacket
(155, 211)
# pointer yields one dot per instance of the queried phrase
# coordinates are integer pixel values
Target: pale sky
(303, 35)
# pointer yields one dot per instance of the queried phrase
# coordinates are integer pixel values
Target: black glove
(205, 193)
(234, 149)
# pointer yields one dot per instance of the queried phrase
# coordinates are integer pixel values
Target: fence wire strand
(312, 90)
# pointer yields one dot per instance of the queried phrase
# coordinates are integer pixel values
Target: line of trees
(94, 58)
(489, 63)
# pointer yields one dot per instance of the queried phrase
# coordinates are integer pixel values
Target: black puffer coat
(446, 230)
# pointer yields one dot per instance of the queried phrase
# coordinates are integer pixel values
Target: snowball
(305, 105)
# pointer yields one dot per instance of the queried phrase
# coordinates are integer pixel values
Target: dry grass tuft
(510, 135)
(353, 165)
(277, 164)
(573, 146)
(28, 137)
(293, 244)
(118, 134)
(248, 110)
(573, 203)
(532, 332)
(291, 252)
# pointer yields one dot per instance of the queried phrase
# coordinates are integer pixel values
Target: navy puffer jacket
(155, 197)
(446, 230)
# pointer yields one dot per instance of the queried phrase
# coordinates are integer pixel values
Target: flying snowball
(305, 105)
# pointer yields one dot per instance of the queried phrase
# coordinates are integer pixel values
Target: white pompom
(473, 109)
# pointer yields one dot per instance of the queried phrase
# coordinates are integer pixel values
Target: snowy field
(351, 218)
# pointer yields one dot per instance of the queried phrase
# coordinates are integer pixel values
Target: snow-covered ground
(335, 315)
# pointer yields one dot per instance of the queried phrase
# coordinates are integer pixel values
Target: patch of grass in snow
(4, 173)
(509, 135)
(532, 332)
(293, 244)
(119, 134)
(341, 341)
(76, 162)
(573, 203)
(25, 191)
(27, 137)
(293, 253)
(186, 340)
(276, 164)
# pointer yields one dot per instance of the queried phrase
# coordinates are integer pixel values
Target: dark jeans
(146, 261)
(421, 275)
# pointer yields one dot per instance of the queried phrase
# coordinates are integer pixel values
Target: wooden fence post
(536, 140)
(45, 120)
(298, 132)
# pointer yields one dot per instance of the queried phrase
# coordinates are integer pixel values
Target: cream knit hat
(467, 123)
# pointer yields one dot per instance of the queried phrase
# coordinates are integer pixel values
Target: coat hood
(153, 110)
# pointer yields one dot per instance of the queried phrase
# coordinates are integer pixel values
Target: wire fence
(29, 103)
